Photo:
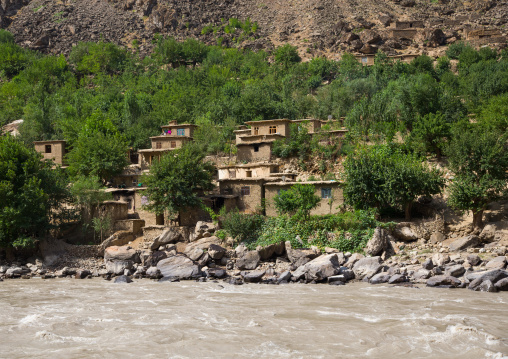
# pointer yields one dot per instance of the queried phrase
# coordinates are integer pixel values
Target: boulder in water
(123, 279)
(179, 266)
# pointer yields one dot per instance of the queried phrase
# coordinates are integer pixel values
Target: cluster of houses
(248, 183)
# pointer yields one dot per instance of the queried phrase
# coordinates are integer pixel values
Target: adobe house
(311, 124)
(257, 146)
(330, 193)
(366, 60)
(173, 137)
(248, 192)
(247, 170)
(478, 34)
(129, 178)
(52, 150)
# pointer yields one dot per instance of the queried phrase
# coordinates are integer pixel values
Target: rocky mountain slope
(317, 27)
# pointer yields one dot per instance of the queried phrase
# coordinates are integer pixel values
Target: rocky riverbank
(460, 263)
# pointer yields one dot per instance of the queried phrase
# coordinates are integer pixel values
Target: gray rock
(502, 284)
(455, 271)
(122, 253)
(492, 276)
(269, 251)
(380, 278)
(13, 272)
(437, 237)
(497, 263)
(216, 252)
(195, 253)
(428, 264)
(443, 281)
(169, 235)
(474, 259)
(347, 273)
(353, 259)
(464, 243)
(252, 277)
(217, 273)
(119, 238)
(123, 279)
(153, 273)
(440, 259)
(82, 274)
(3, 269)
(154, 258)
(378, 243)
(203, 230)
(397, 278)
(421, 274)
(169, 279)
(249, 260)
(319, 268)
(299, 257)
(367, 267)
(487, 286)
(203, 243)
(405, 234)
(118, 267)
(179, 266)
(285, 276)
(337, 278)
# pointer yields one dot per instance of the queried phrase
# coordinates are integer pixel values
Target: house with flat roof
(52, 150)
(330, 193)
(172, 137)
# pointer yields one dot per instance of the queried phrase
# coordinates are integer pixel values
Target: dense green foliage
(298, 200)
(479, 158)
(174, 182)
(349, 231)
(383, 175)
(211, 85)
(31, 194)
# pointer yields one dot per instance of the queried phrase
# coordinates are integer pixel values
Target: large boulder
(444, 281)
(440, 259)
(203, 230)
(118, 259)
(455, 271)
(464, 243)
(502, 284)
(492, 276)
(179, 267)
(252, 277)
(203, 243)
(123, 279)
(270, 250)
(367, 267)
(378, 243)
(248, 260)
(497, 263)
(154, 258)
(379, 278)
(119, 238)
(299, 257)
(169, 235)
(370, 37)
(319, 268)
(355, 257)
(404, 233)
(216, 252)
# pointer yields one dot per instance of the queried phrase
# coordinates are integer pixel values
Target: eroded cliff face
(317, 27)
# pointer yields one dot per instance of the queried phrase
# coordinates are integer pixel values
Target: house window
(232, 174)
(326, 193)
(158, 145)
(245, 191)
(365, 60)
(47, 149)
(273, 129)
(248, 173)
(173, 144)
(256, 130)
(134, 182)
(256, 148)
(180, 132)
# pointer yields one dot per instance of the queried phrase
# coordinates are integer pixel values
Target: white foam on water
(55, 338)
(30, 320)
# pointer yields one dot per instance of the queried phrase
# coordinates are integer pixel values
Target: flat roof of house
(267, 121)
(50, 141)
(307, 119)
(247, 130)
(148, 150)
(181, 125)
(248, 179)
(332, 182)
(248, 165)
(256, 142)
(171, 137)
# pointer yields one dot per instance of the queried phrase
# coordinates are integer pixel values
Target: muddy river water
(68, 318)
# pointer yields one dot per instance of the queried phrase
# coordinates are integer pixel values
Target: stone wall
(248, 153)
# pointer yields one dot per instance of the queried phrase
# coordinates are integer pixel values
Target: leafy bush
(298, 200)
(455, 49)
(242, 227)
(6, 37)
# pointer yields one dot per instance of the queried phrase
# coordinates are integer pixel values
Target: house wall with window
(247, 171)
(250, 192)
(330, 193)
(52, 150)
(254, 152)
(184, 129)
(168, 142)
(269, 127)
(312, 125)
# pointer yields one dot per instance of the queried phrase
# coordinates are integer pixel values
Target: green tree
(383, 175)
(31, 194)
(298, 200)
(430, 133)
(93, 58)
(479, 159)
(287, 55)
(174, 182)
(100, 150)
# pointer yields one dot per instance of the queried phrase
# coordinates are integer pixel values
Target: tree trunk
(478, 219)
(407, 210)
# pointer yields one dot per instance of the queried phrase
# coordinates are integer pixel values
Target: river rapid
(67, 318)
